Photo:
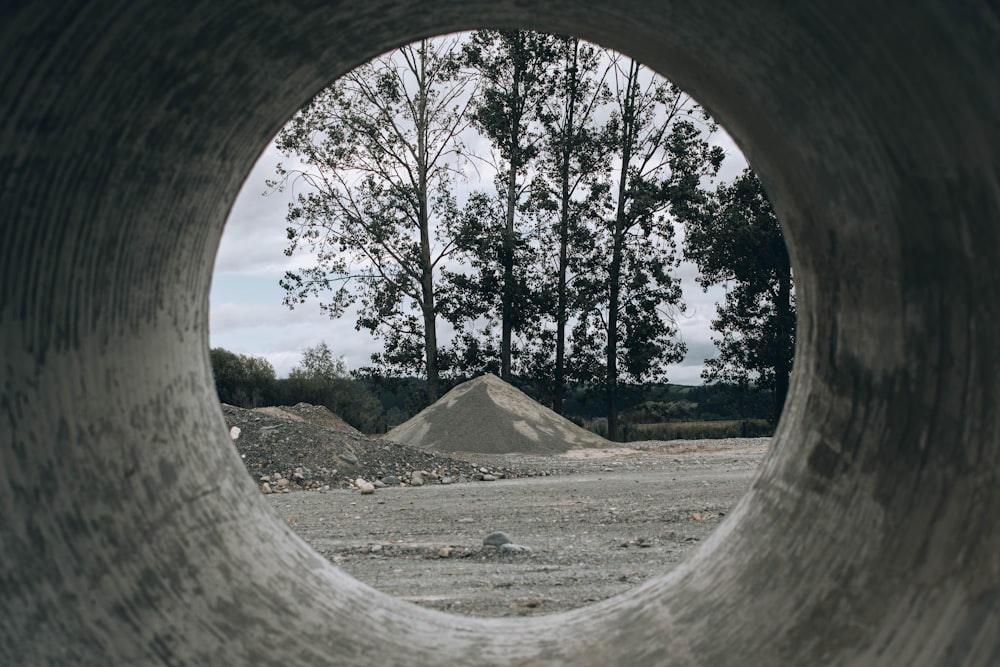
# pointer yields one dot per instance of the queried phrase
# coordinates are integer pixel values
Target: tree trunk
(785, 331)
(427, 305)
(618, 240)
(559, 381)
(514, 145)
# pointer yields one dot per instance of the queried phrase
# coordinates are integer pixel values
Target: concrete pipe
(129, 532)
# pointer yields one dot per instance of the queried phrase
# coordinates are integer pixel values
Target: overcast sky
(248, 317)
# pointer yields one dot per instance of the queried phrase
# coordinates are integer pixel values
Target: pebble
(444, 552)
(367, 489)
(234, 432)
(496, 539)
(489, 478)
(266, 488)
(390, 480)
(349, 457)
(515, 548)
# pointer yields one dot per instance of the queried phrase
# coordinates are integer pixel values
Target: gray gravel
(597, 528)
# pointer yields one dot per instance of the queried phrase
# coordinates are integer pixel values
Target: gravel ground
(604, 522)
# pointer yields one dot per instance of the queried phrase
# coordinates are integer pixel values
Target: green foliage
(321, 379)
(735, 239)
(702, 430)
(241, 380)
(379, 148)
(627, 331)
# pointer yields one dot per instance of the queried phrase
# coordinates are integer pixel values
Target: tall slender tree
(735, 239)
(575, 162)
(660, 140)
(377, 150)
(515, 69)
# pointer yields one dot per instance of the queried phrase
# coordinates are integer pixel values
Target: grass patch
(700, 430)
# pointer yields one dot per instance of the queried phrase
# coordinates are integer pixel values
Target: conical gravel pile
(487, 415)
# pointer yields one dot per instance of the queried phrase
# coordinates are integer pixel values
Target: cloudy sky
(248, 317)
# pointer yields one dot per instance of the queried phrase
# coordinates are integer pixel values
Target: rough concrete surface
(130, 533)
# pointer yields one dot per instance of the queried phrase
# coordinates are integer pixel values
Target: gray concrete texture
(870, 535)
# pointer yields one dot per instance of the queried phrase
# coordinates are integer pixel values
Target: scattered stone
(283, 483)
(484, 470)
(515, 548)
(266, 488)
(489, 478)
(496, 539)
(417, 478)
(378, 484)
(466, 519)
(446, 480)
(276, 444)
(367, 489)
(265, 478)
(234, 432)
(444, 552)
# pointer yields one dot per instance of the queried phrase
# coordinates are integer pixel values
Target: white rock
(367, 488)
(234, 432)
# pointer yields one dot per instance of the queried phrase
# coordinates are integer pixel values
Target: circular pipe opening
(129, 535)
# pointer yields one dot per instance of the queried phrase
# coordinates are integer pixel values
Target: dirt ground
(607, 521)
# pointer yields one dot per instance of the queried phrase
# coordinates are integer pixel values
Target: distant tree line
(376, 404)
(560, 277)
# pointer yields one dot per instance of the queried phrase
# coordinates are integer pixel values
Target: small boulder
(496, 539)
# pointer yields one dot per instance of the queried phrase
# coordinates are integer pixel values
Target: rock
(349, 457)
(447, 480)
(417, 478)
(489, 478)
(484, 470)
(299, 478)
(234, 432)
(515, 548)
(282, 483)
(266, 488)
(496, 539)
(378, 484)
(265, 478)
(367, 488)
(444, 552)
(390, 480)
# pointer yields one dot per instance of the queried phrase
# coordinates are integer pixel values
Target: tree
(734, 238)
(575, 162)
(322, 379)
(663, 154)
(241, 380)
(318, 364)
(377, 150)
(514, 65)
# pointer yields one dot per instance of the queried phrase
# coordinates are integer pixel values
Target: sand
(487, 415)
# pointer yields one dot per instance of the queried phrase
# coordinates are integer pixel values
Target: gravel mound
(488, 415)
(286, 453)
(316, 414)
